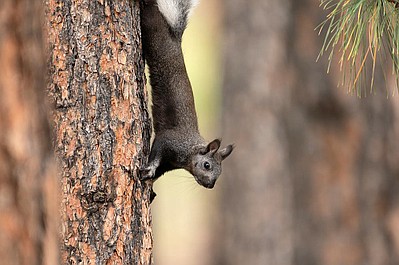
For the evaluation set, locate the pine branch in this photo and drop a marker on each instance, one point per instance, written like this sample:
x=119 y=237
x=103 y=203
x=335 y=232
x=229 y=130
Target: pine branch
x=361 y=33
x=395 y=2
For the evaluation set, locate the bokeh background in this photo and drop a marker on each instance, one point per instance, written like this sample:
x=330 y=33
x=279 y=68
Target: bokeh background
x=314 y=177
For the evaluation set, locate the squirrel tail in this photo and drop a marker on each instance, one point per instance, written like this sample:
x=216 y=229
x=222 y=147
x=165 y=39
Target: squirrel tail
x=176 y=13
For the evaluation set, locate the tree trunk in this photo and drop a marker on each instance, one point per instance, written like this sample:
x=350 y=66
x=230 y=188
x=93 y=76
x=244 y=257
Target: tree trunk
x=314 y=178
x=28 y=183
x=101 y=129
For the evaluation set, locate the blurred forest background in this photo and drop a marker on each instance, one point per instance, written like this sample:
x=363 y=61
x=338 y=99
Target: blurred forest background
x=314 y=177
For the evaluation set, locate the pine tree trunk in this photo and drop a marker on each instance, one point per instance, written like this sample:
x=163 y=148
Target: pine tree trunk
x=101 y=130
x=314 y=178
x=28 y=180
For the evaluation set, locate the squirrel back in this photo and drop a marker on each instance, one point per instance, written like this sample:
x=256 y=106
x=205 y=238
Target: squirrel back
x=177 y=142
x=163 y=23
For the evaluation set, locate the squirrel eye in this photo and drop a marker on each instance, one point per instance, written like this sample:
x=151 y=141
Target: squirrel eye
x=207 y=166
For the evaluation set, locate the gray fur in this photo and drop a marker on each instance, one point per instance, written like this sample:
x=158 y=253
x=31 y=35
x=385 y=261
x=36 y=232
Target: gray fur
x=177 y=143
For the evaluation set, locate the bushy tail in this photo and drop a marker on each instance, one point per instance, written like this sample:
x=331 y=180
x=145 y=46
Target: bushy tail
x=176 y=13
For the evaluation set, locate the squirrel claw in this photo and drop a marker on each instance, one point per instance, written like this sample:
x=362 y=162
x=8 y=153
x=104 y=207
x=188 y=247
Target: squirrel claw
x=147 y=173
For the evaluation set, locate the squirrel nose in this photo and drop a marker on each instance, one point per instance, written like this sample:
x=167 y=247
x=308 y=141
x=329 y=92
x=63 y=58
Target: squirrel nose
x=210 y=183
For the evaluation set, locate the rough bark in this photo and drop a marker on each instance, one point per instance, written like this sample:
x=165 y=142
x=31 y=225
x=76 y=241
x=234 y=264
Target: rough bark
x=101 y=130
x=28 y=180
x=314 y=178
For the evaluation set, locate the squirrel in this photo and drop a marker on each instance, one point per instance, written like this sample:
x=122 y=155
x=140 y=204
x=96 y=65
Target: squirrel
x=177 y=143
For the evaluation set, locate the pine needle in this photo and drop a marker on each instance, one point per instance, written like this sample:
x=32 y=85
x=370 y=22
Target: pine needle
x=360 y=30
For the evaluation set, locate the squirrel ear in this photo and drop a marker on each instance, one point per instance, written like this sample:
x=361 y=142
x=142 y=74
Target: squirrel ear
x=213 y=146
x=225 y=152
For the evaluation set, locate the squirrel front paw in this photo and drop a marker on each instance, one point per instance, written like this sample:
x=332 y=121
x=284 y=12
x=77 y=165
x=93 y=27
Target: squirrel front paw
x=147 y=172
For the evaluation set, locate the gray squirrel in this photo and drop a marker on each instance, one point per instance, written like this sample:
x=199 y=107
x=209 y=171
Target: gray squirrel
x=177 y=142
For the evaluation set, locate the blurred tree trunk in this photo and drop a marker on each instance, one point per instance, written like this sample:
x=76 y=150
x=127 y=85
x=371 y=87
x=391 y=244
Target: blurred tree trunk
x=101 y=130
x=28 y=183
x=314 y=178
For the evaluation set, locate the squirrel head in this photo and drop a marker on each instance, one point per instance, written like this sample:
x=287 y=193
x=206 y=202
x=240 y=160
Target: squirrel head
x=206 y=164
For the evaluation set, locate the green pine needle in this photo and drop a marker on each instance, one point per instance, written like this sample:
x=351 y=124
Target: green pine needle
x=362 y=32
